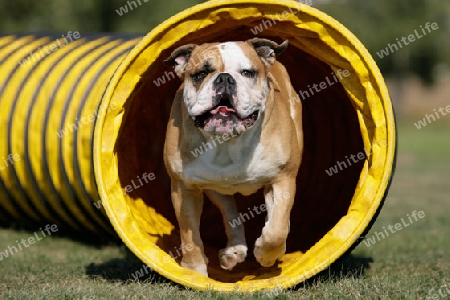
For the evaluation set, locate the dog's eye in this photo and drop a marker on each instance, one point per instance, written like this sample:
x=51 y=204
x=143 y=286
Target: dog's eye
x=248 y=73
x=199 y=76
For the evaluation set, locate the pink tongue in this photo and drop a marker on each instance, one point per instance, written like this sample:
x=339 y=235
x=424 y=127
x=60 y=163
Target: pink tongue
x=222 y=109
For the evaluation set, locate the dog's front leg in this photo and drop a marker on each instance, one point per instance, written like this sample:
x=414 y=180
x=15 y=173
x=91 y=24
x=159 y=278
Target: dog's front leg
x=188 y=204
x=271 y=245
x=236 y=249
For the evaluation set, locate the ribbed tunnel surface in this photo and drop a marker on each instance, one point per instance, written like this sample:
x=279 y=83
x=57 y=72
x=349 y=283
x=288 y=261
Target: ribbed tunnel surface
x=49 y=103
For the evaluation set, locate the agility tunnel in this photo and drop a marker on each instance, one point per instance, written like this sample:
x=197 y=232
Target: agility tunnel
x=83 y=126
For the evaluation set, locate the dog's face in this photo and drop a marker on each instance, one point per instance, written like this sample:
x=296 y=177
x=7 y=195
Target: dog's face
x=225 y=84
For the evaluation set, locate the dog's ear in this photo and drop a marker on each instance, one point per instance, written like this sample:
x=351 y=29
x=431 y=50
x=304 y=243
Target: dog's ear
x=179 y=58
x=268 y=50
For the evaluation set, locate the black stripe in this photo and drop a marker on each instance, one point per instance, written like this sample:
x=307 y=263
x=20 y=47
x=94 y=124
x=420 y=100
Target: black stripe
x=85 y=97
x=46 y=169
x=54 y=216
x=23 y=215
x=64 y=173
x=4 y=211
x=25 y=196
x=6 y=57
x=75 y=146
x=5 y=218
x=70 y=188
x=6 y=45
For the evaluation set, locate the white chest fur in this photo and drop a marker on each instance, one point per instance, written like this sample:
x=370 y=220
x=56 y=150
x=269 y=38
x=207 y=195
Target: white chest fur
x=239 y=165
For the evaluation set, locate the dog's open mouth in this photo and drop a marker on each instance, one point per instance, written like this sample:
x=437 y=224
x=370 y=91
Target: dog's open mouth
x=223 y=118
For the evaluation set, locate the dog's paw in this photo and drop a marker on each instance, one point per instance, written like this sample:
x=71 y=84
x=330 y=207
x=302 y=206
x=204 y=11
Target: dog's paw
x=266 y=254
x=200 y=267
x=231 y=256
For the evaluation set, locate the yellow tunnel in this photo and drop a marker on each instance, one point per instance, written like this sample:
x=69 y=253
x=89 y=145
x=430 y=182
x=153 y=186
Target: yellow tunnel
x=83 y=118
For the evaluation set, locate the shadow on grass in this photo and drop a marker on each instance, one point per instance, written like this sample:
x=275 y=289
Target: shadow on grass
x=131 y=269
x=126 y=270
x=348 y=266
x=82 y=237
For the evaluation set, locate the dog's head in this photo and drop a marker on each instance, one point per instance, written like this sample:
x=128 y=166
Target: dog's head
x=225 y=84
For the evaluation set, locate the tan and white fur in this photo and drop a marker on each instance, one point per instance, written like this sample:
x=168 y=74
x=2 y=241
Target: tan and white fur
x=236 y=90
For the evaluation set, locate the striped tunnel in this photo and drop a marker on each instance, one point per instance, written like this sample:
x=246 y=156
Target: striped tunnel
x=50 y=90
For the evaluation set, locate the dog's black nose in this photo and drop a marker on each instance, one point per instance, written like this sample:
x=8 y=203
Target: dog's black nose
x=225 y=84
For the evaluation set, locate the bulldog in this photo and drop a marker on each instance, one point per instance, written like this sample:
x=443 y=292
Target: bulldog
x=238 y=103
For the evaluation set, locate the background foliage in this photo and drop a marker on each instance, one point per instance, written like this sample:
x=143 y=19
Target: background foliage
x=376 y=23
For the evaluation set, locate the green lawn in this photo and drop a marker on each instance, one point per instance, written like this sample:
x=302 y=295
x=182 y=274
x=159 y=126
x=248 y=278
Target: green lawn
x=412 y=263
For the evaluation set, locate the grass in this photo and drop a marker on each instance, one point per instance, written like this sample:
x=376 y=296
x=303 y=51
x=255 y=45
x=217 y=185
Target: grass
x=410 y=264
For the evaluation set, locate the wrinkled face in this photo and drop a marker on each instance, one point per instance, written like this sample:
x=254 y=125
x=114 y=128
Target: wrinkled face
x=225 y=85
x=225 y=90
